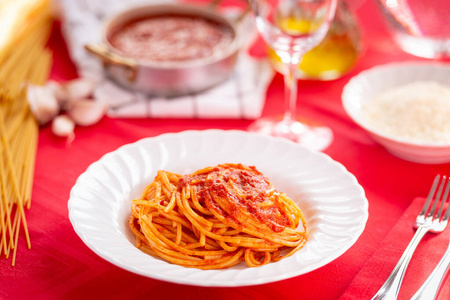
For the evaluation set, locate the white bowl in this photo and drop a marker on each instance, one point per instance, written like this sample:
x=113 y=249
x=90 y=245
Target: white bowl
x=366 y=85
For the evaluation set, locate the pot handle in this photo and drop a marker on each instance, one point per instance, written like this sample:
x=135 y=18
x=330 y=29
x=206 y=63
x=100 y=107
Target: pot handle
x=111 y=58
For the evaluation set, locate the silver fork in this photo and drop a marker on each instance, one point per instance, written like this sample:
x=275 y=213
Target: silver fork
x=427 y=220
x=430 y=288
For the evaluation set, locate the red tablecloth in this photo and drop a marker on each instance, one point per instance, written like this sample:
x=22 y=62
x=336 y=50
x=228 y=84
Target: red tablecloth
x=379 y=266
x=60 y=266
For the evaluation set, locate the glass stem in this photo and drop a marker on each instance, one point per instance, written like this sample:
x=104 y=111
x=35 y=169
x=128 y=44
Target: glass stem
x=290 y=92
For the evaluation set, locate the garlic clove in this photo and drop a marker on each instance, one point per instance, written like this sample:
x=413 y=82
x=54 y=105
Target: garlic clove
x=63 y=126
x=80 y=88
x=43 y=103
x=86 y=112
x=59 y=91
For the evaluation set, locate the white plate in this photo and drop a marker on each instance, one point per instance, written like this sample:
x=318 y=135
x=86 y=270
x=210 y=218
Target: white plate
x=332 y=200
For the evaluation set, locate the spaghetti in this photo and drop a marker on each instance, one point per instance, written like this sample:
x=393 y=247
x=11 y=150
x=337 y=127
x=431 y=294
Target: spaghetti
x=24 y=30
x=217 y=217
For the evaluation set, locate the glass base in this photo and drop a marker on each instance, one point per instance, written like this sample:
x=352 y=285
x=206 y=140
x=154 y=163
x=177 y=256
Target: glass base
x=423 y=47
x=312 y=137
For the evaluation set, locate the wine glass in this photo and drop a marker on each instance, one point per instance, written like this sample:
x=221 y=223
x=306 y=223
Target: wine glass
x=292 y=28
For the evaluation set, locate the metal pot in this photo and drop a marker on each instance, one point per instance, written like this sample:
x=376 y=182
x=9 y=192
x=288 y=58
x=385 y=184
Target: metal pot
x=168 y=78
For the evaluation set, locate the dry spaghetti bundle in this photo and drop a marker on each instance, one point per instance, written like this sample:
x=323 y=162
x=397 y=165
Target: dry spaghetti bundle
x=217 y=217
x=25 y=26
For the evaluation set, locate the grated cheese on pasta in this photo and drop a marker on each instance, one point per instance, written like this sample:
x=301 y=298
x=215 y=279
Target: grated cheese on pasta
x=416 y=112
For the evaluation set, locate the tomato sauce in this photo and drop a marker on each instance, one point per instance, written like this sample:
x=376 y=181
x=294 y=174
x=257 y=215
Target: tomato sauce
x=239 y=190
x=171 y=38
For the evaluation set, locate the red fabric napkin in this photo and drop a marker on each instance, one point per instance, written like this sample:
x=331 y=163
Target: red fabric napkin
x=377 y=269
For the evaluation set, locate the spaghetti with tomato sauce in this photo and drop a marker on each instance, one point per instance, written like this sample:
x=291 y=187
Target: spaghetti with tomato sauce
x=217 y=217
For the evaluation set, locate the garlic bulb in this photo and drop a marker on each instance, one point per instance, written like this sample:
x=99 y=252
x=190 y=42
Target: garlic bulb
x=72 y=98
x=86 y=112
x=43 y=103
x=63 y=126
x=60 y=92
x=80 y=88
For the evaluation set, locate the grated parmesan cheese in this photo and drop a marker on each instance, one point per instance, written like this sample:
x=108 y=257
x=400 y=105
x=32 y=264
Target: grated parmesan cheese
x=416 y=112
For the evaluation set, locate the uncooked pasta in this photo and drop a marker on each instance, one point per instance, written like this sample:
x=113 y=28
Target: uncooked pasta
x=24 y=60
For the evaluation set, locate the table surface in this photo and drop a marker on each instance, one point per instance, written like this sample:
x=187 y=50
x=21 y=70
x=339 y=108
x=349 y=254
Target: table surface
x=60 y=266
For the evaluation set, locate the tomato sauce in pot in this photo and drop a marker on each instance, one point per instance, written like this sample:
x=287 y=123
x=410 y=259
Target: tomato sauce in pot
x=171 y=37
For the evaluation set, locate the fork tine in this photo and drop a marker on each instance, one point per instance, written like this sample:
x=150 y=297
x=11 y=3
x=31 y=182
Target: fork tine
x=437 y=198
x=430 y=196
x=446 y=199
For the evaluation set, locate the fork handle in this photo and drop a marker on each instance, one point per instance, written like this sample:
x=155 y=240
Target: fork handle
x=390 y=289
x=430 y=288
